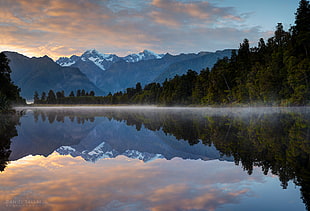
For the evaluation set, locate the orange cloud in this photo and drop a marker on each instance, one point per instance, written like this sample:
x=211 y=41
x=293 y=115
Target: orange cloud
x=66 y=183
x=63 y=27
x=192 y=12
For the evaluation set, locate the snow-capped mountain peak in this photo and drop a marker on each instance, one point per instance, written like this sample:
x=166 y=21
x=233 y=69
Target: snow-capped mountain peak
x=104 y=150
x=151 y=53
x=145 y=55
x=104 y=61
x=66 y=62
x=93 y=53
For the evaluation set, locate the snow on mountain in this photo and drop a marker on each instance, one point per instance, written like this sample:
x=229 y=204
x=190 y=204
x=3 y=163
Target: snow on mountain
x=104 y=61
x=145 y=156
x=99 y=59
x=66 y=62
x=104 y=150
x=145 y=55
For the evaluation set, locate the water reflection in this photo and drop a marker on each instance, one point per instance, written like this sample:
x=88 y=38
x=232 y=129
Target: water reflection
x=277 y=140
x=66 y=183
x=101 y=135
x=8 y=123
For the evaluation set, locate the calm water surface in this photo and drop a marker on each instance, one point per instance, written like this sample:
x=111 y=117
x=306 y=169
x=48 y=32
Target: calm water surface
x=105 y=158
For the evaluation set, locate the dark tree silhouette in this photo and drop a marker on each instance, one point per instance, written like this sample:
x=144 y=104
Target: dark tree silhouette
x=9 y=93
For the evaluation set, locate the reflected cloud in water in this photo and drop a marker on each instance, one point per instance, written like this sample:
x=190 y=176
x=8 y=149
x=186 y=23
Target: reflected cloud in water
x=66 y=183
x=271 y=145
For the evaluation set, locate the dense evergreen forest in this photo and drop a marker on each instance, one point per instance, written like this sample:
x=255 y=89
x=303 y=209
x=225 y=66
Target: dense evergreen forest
x=276 y=72
x=81 y=97
x=9 y=93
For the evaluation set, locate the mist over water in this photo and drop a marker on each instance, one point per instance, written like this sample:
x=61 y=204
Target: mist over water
x=189 y=155
x=206 y=110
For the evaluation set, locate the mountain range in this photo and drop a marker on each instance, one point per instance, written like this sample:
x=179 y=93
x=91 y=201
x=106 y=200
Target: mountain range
x=43 y=74
x=111 y=73
x=103 y=73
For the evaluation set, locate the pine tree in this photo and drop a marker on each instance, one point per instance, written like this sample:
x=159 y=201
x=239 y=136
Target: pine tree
x=301 y=30
x=51 y=97
x=91 y=93
x=9 y=93
x=43 y=97
x=138 y=88
x=60 y=96
x=71 y=94
x=83 y=93
x=36 y=98
x=297 y=57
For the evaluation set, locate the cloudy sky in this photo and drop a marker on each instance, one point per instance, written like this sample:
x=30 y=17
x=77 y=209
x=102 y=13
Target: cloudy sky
x=65 y=27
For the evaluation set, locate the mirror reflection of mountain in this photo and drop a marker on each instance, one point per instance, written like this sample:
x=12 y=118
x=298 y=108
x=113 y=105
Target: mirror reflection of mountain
x=43 y=132
x=8 y=123
x=277 y=140
x=94 y=135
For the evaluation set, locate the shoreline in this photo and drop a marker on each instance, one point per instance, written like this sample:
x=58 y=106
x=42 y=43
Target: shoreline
x=152 y=106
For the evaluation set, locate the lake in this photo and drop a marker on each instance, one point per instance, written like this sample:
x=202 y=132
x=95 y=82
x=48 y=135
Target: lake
x=155 y=158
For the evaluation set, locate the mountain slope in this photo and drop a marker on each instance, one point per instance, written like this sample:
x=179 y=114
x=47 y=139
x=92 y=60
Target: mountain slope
x=93 y=63
x=202 y=61
x=142 y=56
x=112 y=73
x=122 y=74
x=42 y=74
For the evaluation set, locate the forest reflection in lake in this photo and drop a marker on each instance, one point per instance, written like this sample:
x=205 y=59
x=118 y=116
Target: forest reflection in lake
x=265 y=142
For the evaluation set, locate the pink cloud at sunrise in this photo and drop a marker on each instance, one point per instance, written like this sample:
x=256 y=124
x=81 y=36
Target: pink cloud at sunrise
x=124 y=183
x=65 y=27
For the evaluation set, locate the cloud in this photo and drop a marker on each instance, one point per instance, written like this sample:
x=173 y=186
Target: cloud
x=62 y=27
x=66 y=183
x=187 y=13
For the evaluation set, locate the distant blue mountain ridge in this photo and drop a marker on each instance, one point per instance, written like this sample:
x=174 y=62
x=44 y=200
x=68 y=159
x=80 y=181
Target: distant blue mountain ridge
x=103 y=73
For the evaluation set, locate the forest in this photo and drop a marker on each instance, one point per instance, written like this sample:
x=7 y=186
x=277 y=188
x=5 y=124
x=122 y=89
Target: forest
x=275 y=72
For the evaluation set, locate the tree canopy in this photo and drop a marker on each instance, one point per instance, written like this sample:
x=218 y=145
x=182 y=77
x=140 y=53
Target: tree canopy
x=9 y=93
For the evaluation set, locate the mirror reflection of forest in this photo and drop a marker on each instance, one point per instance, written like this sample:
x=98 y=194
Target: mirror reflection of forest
x=8 y=123
x=277 y=142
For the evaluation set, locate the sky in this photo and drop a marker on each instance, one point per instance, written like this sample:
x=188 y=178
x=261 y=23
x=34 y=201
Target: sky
x=130 y=184
x=65 y=27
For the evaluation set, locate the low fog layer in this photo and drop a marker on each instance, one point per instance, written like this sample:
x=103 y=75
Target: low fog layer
x=208 y=111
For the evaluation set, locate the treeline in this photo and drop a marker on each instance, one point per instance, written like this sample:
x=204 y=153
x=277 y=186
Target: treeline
x=59 y=116
x=81 y=96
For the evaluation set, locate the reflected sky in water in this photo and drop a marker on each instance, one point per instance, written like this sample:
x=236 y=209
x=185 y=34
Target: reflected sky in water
x=65 y=183
x=156 y=159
